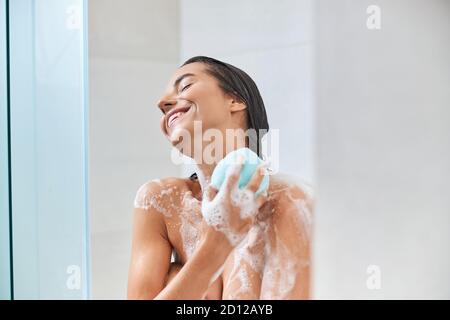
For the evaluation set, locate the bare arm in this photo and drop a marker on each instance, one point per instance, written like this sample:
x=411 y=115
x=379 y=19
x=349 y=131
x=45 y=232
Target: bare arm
x=150 y=255
x=194 y=278
x=150 y=260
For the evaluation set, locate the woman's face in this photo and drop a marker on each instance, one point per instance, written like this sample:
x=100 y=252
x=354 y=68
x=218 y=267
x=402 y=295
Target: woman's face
x=194 y=95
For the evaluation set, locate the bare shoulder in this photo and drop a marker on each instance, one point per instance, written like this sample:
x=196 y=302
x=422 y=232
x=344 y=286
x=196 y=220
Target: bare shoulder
x=160 y=194
x=292 y=203
x=285 y=189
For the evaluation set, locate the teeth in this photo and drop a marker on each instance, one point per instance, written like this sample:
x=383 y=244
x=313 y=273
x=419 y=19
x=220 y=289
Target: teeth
x=174 y=117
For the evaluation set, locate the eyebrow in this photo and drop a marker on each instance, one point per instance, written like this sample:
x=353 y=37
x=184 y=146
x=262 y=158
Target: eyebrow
x=180 y=78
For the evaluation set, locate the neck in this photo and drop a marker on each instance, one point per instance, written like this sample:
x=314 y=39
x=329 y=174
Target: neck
x=204 y=172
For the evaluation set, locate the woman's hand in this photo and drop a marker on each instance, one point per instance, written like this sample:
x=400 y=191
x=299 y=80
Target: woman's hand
x=230 y=210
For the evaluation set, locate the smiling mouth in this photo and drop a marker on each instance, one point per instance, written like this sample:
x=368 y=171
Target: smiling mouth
x=176 y=114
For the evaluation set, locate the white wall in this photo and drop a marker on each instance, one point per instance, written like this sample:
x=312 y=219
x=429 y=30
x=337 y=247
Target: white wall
x=133 y=48
x=383 y=149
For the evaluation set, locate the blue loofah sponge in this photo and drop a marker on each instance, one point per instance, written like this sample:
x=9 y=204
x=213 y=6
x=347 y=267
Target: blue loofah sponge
x=251 y=162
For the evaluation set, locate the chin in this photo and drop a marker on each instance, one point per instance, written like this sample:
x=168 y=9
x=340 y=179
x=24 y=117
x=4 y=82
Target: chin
x=181 y=139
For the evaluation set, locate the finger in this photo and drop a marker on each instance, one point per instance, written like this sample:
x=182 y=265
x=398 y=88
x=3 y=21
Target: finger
x=233 y=174
x=256 y=179
x=210 y=192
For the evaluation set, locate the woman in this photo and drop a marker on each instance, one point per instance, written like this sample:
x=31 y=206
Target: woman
x=269 y=254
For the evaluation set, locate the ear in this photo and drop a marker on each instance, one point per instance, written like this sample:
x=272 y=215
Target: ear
x=237 y=106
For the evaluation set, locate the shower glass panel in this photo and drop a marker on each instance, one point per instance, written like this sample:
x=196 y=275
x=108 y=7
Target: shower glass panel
x=5 y=263
x=48 y=121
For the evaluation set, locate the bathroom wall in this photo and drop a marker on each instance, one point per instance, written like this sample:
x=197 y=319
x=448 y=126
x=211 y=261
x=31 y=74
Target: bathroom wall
x=133 y=48
x=383 y=150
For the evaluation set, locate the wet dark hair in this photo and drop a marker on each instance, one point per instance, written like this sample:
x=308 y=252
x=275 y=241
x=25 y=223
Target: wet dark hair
x=237 y=83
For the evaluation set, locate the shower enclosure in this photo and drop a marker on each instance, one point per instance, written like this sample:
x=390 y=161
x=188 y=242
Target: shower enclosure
x=44 y=245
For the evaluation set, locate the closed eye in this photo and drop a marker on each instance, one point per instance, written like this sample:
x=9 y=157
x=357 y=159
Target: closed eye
x=186 y=86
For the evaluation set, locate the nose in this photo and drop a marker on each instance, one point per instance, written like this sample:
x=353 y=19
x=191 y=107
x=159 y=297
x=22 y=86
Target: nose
x=165 y=104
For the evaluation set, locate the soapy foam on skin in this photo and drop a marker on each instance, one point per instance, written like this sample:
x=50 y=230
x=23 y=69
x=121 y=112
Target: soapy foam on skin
x=247 y=261
x=144 y=199
x=280 y=264
x=303 y=204
x=279 y=273
x=190 y=222
x=245 y=200
x=162 y=203
x=217 y=216
x=275 y=265
x=245 y=290
x=304 y=215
